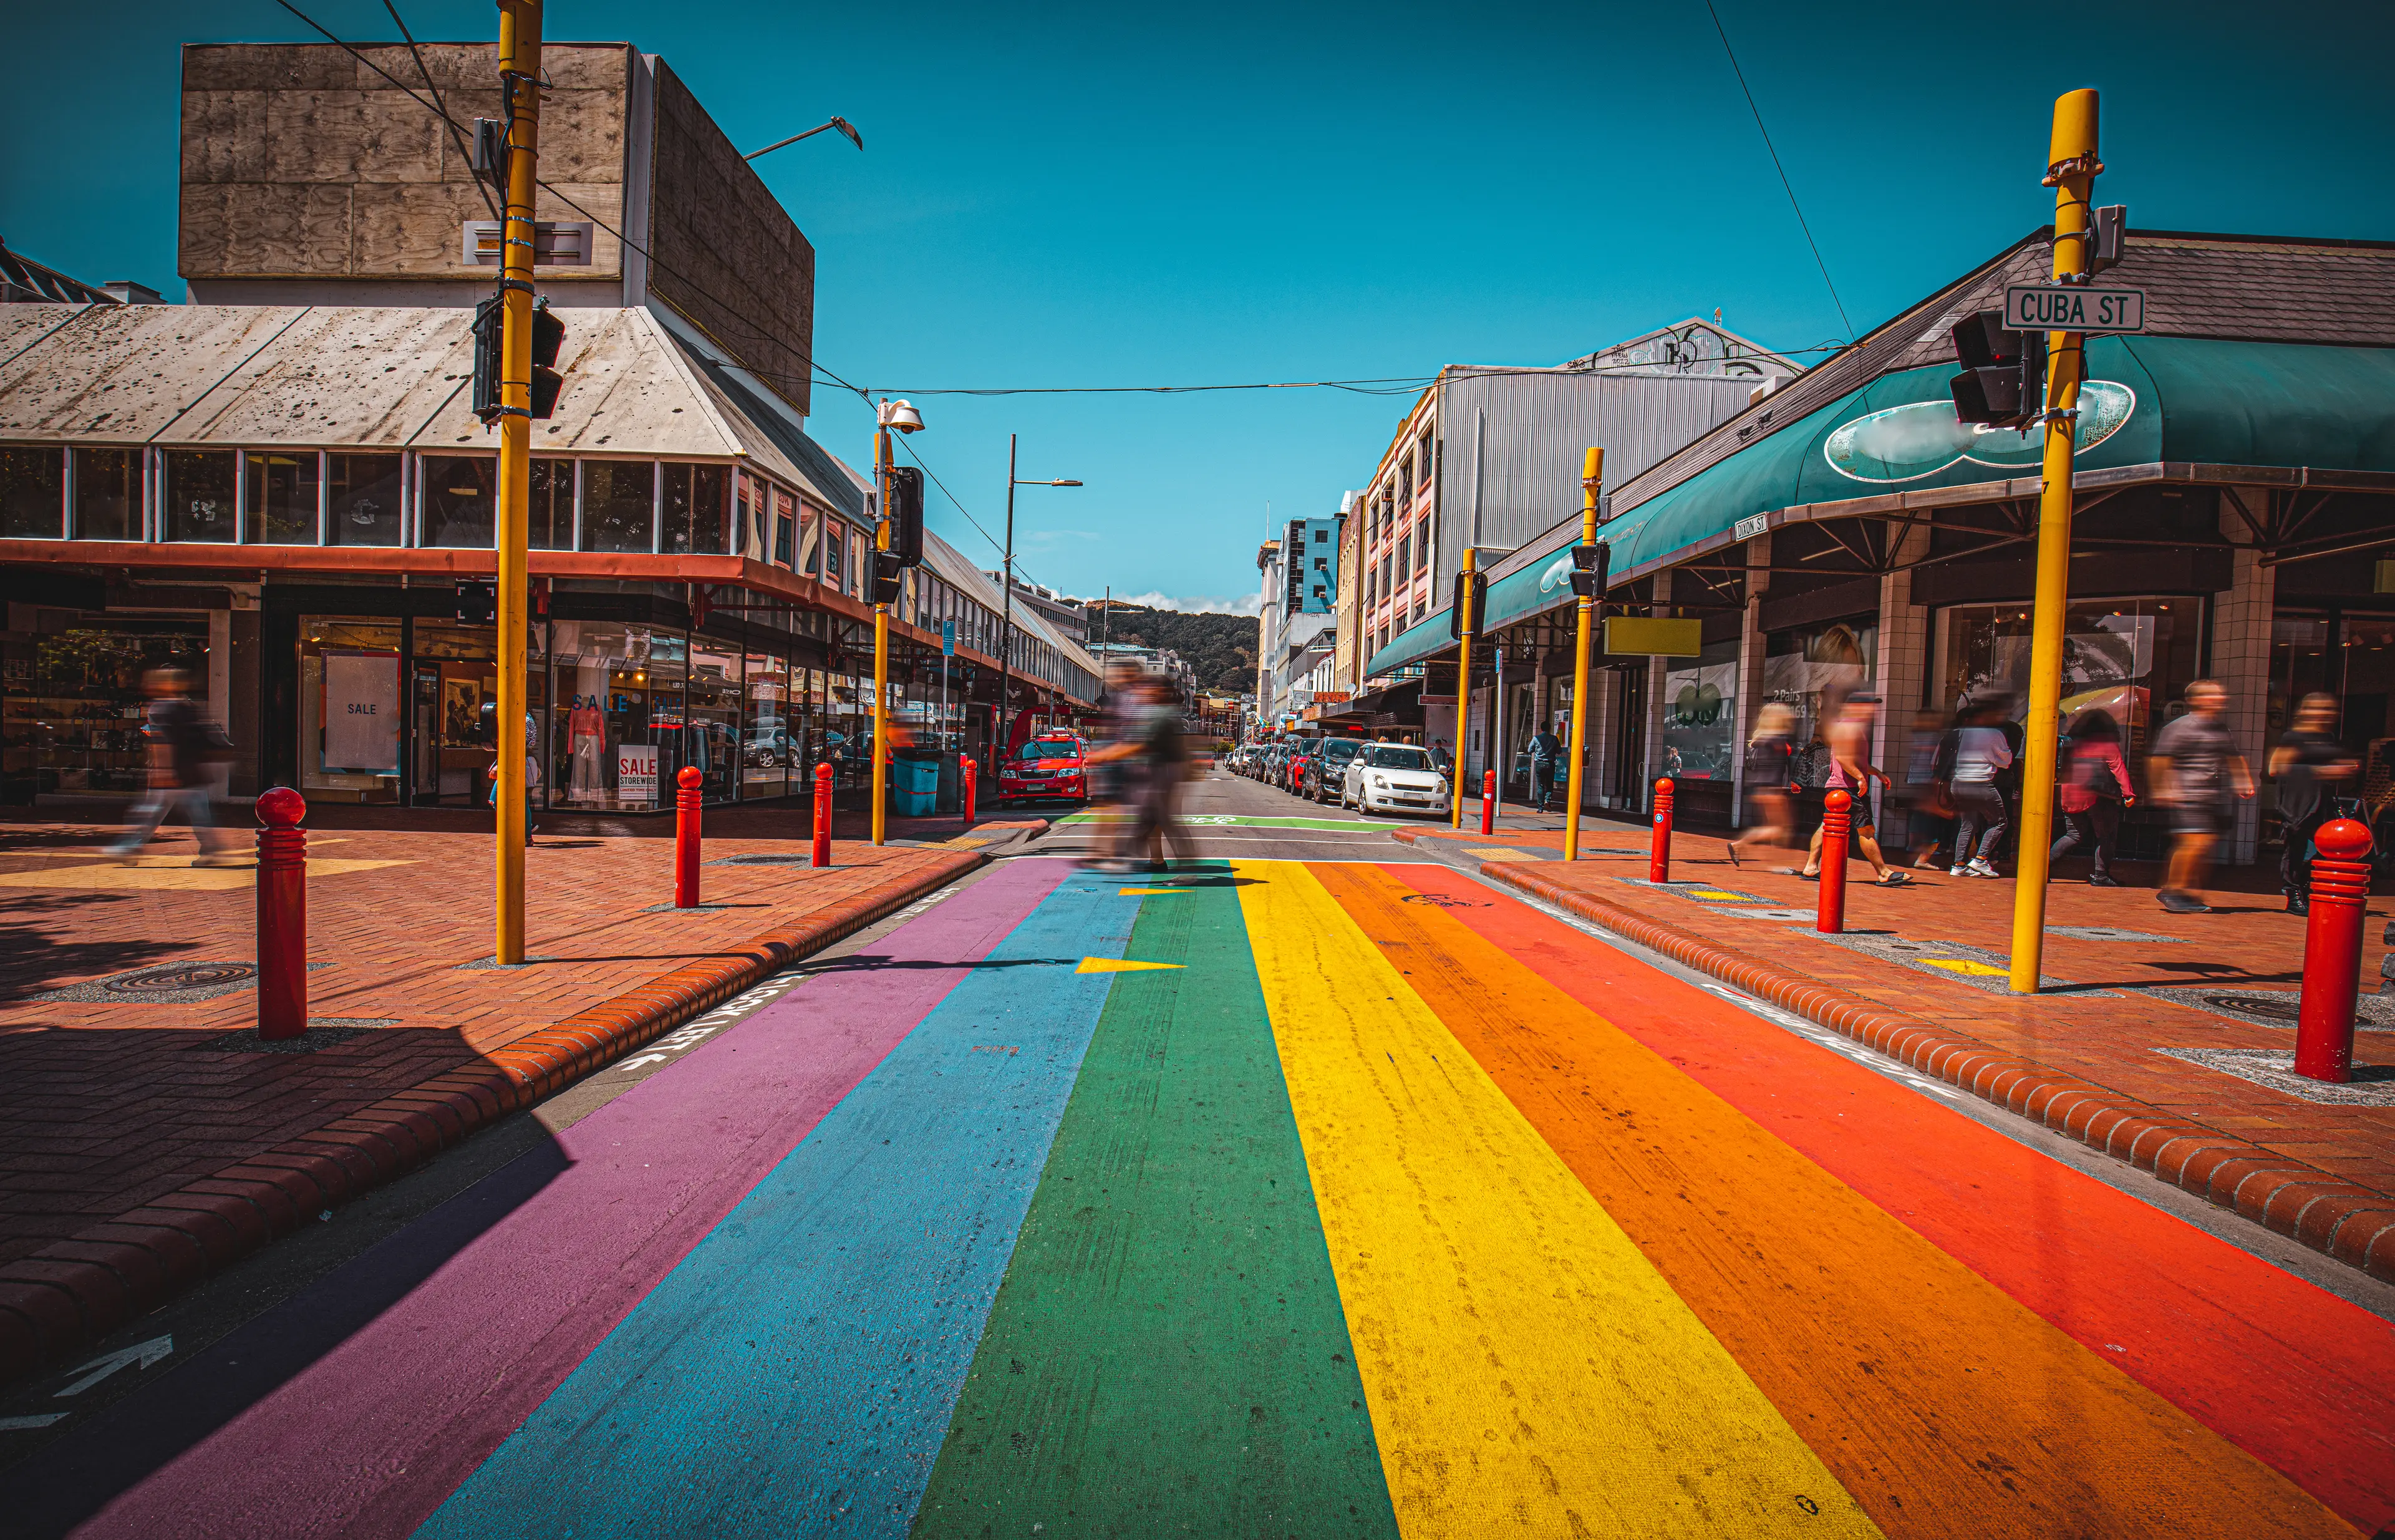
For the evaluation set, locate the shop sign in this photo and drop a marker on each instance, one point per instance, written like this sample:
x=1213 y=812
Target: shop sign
x=636 y=772
x=2074 y=307
x=362 y=712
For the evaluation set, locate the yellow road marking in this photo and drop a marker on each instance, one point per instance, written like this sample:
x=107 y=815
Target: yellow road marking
x=1149 y=893
x=1120 y=964
x=1504 y=853
x=1529 y=1372
x=1967 y=966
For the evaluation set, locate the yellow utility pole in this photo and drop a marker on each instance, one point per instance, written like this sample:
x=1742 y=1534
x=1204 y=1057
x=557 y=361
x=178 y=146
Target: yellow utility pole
x=520 y=85
x=881 y=635
x=1464 y=619
x=1592 y=478
x=2071 y=167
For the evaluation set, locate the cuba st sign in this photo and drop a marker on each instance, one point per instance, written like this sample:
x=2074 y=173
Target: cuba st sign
x=2074 y=307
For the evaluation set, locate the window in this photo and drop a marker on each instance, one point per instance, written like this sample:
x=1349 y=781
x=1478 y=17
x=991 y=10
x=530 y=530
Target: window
x=619 y=505
x=280 y=497
x=695 y=498
x=1422 y=458
x=835 y=554
x=458 y=508
x=550 y=526
x=554 y=244
x=32 y=493
x=364 y=500
x=199 y=494
x=108 y=494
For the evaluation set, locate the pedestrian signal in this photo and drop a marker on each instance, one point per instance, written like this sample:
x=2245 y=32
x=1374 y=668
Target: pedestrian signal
x=886 y=577
x=490 y=358
x=906 y=514
x=547 y=338
x=478 y=602
x=1591 y=565
x=2004 y=372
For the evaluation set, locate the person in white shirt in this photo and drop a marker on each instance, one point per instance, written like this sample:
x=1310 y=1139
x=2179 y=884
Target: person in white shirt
x=1980 y=751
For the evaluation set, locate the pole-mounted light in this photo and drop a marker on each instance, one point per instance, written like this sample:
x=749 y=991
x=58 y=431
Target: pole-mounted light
x=847 y=129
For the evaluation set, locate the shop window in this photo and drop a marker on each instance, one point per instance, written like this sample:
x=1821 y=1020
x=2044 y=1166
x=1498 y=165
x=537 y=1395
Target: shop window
x=108 y=494
x=458 y=509
x=2132 y=659
x=614 y=738
x=550 y=526
x=695 y=499
x=74 y=716
x=711 y=717
x=351 y=708
x=769 y=737
x=619 y=505
x=362 y=493
x=199 y=501
x=32 y=492
x=1802 y=665
x=281 y=500
x=1700 y=714
x=786 y=528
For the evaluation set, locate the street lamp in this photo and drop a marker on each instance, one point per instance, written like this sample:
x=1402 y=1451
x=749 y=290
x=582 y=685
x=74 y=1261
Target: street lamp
x=847 y=129
x=901 y=417
x=1006 y=592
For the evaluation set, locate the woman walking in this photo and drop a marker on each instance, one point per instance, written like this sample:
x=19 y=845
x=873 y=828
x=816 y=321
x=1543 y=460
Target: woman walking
x=1981 y=751
x=2095 y=787
x=1768 y=772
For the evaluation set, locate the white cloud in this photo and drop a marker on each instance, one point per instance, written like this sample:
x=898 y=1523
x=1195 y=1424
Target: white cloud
x=1249 y=603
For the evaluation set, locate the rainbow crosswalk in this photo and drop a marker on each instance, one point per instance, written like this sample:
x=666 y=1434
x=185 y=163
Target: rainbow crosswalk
x=1277 y=1199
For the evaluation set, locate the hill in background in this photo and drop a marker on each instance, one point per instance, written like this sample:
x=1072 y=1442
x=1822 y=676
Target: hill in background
x=1222 y=648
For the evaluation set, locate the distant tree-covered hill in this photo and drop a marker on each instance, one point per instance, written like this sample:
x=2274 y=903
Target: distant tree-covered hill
x=1221 y=647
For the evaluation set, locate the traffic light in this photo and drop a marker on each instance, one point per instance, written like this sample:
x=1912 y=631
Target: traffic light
x=906 y=514
x=548 y=338
x=886 y=581
x=1591 y=565
x=2004 y=372
x=1476 y=597
x=477 y=601
x=490 y=358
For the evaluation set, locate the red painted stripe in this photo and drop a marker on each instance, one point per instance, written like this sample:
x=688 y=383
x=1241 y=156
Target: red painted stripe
x=2290 y=1374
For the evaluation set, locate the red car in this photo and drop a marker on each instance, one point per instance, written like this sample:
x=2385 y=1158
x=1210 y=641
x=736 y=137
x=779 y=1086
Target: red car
x=1048 y=767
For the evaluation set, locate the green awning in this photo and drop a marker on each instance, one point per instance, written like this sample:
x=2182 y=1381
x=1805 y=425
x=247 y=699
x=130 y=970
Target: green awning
x=2149 y=399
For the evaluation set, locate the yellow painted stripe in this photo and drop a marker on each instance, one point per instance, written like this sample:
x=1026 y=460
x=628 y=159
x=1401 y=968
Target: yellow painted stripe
x=1528 y=1370
x=1120 y=964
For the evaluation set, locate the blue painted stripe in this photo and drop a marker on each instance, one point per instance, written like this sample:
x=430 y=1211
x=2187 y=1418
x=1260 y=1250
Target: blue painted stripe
x=797 y=1373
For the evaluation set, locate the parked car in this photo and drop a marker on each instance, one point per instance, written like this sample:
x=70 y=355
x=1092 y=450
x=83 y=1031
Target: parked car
x=1050 y=766
x=1326 y=768
x=1393 y=778
x=1293 y=770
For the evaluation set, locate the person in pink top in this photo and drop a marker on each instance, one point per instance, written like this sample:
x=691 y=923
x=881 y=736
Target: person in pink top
x=2095 y=787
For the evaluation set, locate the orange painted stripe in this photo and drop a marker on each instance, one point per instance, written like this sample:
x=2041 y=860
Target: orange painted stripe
x=2286 y=1371
x=1942 y=1404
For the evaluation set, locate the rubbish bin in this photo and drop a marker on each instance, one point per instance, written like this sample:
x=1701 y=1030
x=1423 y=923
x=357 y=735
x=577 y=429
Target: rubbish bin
x=915 y=785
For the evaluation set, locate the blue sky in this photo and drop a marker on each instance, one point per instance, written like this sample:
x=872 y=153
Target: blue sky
x=1115 y=195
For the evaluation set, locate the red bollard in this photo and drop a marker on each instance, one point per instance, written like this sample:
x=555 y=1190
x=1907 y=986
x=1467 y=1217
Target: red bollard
x=1488 y=801
x=823 y=816
x=1658 y=854
x=283 y=916
x=686 y=838
x=2333 y=952
x=1837 y=820
x=971 y=772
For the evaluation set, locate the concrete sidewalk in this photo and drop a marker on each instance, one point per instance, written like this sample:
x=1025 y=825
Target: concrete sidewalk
x=148 y=1139
x=2162 y=1038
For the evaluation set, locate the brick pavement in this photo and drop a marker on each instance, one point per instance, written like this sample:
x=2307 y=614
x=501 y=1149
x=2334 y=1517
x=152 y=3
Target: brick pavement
x=145 y=1141
x=1918 y=977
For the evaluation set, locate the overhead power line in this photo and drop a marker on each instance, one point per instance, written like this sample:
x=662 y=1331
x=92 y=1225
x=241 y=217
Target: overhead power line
x=1774 y=154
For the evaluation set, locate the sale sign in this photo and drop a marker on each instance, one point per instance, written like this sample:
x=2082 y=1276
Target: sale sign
x=636 y=773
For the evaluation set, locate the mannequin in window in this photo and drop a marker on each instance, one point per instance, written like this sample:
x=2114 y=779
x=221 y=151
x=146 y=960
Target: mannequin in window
x=585 y=738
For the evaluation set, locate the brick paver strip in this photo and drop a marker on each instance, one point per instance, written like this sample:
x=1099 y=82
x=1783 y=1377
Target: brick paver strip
x=73 y=1290
x=2348 y=1220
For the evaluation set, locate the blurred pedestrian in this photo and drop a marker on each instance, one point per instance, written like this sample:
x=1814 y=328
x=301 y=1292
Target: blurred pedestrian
x=2310 y=767
x=1852 y=772
x=2194 y=768
x=1769 y=778
x=2095 y=787
x=180 y=745
x=1155 y=763
x=1982 y=752
x=1929 y=810
x=1110 y=774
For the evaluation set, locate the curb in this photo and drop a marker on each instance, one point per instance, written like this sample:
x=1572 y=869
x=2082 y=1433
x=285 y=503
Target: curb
x=74 y=1291
x=2350 y=1223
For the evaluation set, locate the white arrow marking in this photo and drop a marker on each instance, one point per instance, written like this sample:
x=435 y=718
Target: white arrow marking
x=26 y=1424
x=144 y=1353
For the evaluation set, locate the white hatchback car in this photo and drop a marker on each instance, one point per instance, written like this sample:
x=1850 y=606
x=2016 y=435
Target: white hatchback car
x=1393 y=778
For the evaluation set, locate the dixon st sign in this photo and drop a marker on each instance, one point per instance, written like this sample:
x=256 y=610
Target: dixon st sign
x=2073 y=307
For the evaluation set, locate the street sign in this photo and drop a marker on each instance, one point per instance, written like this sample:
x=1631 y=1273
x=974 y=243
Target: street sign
x=2073 y=307
x=947 y=639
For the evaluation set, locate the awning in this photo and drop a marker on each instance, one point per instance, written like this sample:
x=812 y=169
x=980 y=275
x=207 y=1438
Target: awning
x=2149 y=398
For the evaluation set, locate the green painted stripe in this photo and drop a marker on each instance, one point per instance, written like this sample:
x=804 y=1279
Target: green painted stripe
x=1168 y=1352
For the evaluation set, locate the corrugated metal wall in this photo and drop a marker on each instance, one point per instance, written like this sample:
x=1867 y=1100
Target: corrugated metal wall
x=1528 y=448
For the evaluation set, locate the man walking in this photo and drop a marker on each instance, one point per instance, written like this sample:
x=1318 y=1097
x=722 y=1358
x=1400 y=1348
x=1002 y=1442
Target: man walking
x=1546 y=753
x=181 y=744
x=2192 y=769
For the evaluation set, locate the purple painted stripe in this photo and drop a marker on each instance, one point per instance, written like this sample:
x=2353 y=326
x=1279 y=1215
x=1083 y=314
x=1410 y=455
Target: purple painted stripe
x=370 y=1436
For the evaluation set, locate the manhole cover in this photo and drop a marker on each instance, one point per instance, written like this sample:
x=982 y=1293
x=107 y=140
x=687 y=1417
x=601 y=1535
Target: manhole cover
x=1437 y=900
x=2283 y=1007
x=765 y=860
x=181 y=977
